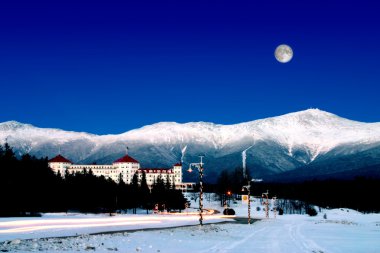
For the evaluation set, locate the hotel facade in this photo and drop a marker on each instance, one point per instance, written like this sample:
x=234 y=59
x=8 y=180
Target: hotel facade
x=125 y=167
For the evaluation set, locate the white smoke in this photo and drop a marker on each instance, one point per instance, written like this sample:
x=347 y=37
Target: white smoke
x=183 y=151
x=244 y=158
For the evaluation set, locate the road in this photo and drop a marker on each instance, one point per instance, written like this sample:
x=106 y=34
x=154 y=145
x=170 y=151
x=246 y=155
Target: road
x=58 y=226
x=354 y=233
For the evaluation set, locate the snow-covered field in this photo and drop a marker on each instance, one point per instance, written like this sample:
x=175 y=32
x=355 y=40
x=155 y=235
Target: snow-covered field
x=343 y=230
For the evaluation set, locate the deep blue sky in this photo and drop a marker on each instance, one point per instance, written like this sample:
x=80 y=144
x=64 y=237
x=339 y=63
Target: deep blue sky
x=107 y=67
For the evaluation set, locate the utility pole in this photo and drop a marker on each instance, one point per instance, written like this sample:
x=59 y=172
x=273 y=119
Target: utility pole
x=274 y=206
x=248 y=188
x=266 y=203
x=199 y=166
x=249 y=202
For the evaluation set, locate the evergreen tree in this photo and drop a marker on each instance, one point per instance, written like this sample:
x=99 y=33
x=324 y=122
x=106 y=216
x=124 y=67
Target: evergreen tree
x=173 y=184
x=122 y=193
x=160 y=185
x=135 y=192
x=168 y=185
x=145 y=193
x=159 y=192
x=1 y=152
x=175 y=200
x=9 y=155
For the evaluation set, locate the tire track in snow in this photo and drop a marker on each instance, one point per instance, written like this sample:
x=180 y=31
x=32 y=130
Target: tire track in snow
x=269 y=236
x=304 y=244
x=226 y=246
x=307 y=242
x=245 y=239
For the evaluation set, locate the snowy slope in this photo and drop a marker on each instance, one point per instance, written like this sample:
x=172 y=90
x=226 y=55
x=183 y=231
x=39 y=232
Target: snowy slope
x=314 y=129
x=341 y=231
x=279 y=144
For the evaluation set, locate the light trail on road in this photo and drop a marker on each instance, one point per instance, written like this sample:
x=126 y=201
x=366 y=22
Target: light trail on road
x=125 y=222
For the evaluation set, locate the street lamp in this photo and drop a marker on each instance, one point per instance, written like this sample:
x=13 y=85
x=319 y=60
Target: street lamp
x=274 y=199
x=229 y=193
x=266 y=203
x=199 y=166
x=248 y=188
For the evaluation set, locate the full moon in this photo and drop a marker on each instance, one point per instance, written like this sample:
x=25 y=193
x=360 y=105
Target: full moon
x=283 y=53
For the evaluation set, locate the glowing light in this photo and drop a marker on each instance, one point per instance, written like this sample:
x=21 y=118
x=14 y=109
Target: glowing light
x=63 y=226
x=41 y=224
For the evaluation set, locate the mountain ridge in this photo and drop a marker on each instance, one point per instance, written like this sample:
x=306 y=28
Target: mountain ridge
x=278 y=144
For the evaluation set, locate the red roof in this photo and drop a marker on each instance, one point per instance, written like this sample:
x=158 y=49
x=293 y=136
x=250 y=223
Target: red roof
x=178 y=164
x=126 y=159
x=59 y=159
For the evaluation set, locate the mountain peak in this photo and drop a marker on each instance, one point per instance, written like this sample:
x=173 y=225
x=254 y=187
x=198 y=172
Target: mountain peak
x=313 y=116
x=313 y=112
x=12 y=125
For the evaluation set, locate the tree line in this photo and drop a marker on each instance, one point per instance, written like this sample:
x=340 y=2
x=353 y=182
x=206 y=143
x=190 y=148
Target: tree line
x=359 y=193
x=28 y=187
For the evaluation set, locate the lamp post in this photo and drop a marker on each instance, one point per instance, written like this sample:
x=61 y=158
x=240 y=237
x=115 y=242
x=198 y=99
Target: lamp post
x=266 y=203
x=229 y=193
x=199 y=166
x=248 y=188
x=274 y=206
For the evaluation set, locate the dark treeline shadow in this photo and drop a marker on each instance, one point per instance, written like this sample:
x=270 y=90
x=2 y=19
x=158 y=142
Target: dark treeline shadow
x=28 y=187
x=360 y=193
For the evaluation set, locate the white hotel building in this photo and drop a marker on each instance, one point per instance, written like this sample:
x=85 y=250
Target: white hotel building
x=126 y=167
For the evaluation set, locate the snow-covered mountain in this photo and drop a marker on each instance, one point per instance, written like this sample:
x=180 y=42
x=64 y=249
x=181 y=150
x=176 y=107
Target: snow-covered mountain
x=290 y=142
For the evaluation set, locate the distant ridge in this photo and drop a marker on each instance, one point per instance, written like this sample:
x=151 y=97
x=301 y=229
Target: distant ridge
x=313 y=140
